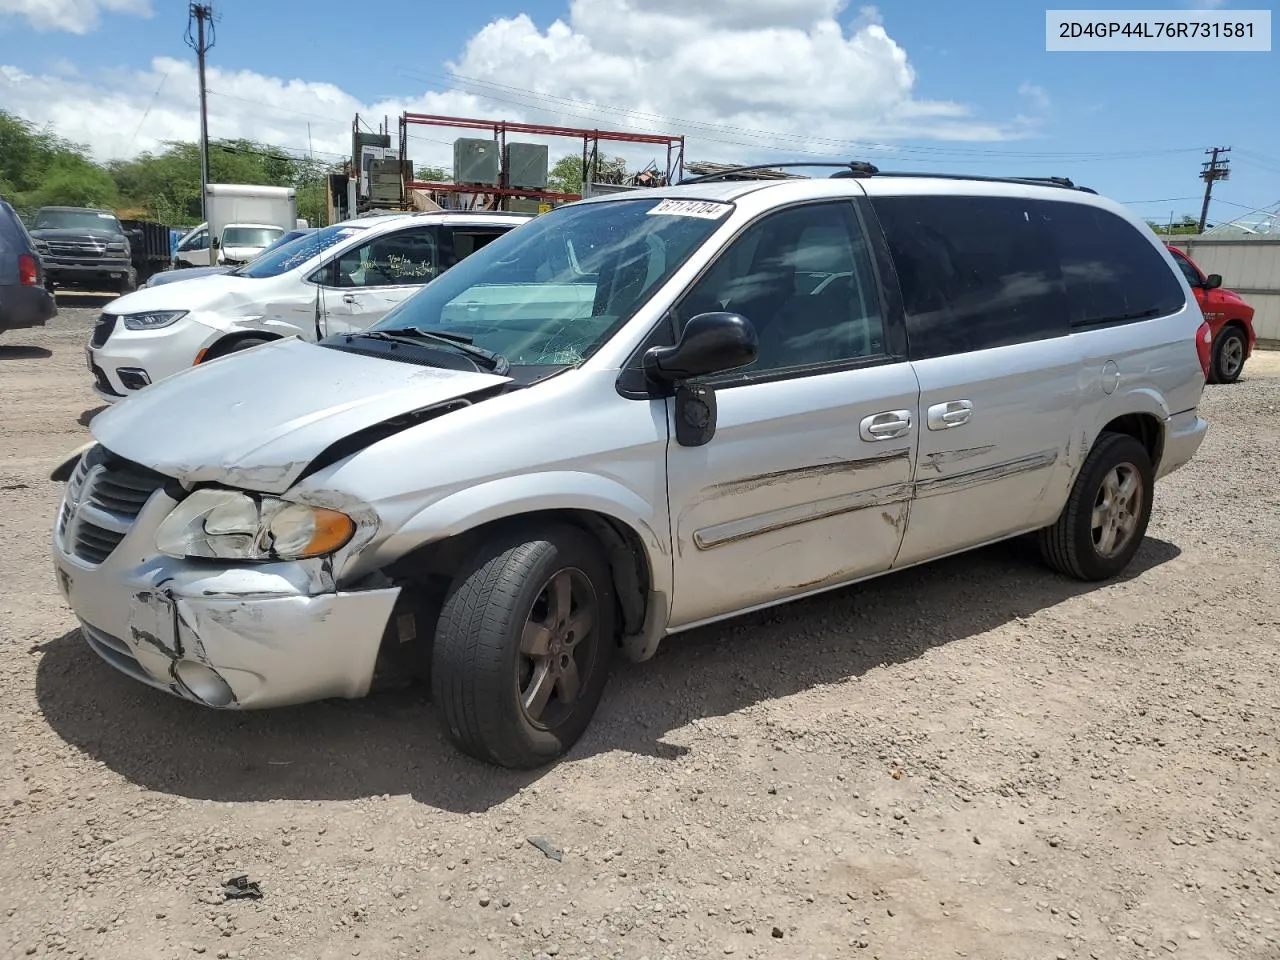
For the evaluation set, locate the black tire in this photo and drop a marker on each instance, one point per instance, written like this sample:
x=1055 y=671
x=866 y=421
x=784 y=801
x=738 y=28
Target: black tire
x=1071 y=545
x=477 y=666
x=1228 y=355
x=127 y=284
x=235 y=346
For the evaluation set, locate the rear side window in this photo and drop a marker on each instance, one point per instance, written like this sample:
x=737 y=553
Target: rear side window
x=975 y=272
x=467 y=240
x=1188 y=271
x=1112 y=273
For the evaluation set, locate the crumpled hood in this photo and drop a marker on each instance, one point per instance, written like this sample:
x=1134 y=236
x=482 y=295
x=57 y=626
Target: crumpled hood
x=206 y=292
x=185 y=273
x=256 y=419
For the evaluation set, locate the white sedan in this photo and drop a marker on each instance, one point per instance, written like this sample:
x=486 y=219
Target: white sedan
x=337 y=279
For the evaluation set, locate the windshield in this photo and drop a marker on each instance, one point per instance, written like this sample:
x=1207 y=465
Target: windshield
x=77 y=220
x=552 y=291
x=281 y=240
x=272 y=263
x=249 y=236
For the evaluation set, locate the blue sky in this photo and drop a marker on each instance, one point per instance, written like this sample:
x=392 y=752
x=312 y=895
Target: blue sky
x=964 y=87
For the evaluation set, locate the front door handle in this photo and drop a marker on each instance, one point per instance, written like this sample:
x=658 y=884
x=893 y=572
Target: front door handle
x=348 y=298
x=953 y=413
x=885 y=426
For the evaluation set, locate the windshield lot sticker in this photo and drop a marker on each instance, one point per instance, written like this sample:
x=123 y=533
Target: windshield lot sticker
x=703 y=209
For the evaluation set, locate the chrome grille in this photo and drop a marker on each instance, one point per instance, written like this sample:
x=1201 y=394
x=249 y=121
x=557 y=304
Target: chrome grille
x=102 y=328
x=104 y=497
x=77 y=248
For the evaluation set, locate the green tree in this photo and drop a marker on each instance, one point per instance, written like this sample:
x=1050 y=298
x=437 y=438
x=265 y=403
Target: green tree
x=168 y=183
x=566 y=174
x=432 y=175
x=1187 y=224
x=73 y=184
x=37 y=167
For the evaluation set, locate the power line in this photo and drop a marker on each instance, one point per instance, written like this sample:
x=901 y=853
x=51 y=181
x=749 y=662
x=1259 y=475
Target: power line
x=591 y=109
x=279 y=109
x=1249 y=207
x=1134 y=203
x=146 y=113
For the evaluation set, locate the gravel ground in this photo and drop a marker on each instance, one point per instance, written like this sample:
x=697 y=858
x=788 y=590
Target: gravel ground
x=972 y=759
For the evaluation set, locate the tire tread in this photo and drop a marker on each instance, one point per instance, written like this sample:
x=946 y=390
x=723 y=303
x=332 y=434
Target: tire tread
x=1058 y=543
x=468 y=673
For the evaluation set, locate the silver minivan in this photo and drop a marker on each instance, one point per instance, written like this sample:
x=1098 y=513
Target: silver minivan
x=629 y=417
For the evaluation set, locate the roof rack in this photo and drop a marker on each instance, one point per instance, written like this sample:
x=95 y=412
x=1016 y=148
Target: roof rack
x=860 y=168
x=847 y=170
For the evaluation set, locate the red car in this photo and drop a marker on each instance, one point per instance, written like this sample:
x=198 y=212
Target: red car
x=1229 y=318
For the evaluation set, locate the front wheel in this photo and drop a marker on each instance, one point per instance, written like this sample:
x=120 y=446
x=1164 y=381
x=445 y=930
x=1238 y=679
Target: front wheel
x=226 y=348
x=523 y=644
x=1106 y=516
x=1228 y=355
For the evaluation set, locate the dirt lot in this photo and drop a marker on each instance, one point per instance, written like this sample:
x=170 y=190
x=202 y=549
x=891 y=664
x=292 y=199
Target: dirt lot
x=973 y=759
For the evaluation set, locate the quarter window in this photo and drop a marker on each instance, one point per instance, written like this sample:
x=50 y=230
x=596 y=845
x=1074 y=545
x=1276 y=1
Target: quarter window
x=975 y=272
x=803 y=277
x=1111 y=271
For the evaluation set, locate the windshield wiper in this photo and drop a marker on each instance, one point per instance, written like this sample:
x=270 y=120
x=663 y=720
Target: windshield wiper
x=494 y=362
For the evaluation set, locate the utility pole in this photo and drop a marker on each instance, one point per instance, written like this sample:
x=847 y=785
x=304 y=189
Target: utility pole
x=201 y=15
x=1210 y=172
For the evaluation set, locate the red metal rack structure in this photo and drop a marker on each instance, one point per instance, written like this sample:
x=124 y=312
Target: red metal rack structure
x=591 y=140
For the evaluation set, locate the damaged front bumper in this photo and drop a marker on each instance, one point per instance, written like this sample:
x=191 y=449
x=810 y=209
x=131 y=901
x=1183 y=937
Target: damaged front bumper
x=246 y=636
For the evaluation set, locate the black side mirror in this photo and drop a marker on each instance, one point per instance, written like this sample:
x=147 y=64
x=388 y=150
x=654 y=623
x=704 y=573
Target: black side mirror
x=710 y=343
x=1213 y=281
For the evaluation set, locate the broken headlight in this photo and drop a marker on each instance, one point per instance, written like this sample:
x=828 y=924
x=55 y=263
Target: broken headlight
x=229 y=525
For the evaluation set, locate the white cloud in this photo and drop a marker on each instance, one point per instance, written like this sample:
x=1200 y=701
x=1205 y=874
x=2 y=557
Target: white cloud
x=71 y=16
x=771 y=77
x=1036 y=95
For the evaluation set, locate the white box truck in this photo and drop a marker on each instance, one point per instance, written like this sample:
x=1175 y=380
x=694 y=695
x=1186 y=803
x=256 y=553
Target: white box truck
x=243 y=220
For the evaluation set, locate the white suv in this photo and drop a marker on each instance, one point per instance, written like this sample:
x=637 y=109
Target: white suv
x=334 y=279
x=633 y=416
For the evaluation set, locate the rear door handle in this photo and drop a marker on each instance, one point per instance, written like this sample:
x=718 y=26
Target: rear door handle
x=953 y=413
x=885 y=426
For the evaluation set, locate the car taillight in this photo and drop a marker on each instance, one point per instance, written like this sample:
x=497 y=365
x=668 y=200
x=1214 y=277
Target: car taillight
x=1204 y=347
x=27 y=271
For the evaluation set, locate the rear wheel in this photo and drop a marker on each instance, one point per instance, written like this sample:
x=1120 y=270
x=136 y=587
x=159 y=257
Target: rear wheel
x=1228 y=355
x=522 y=646
x=1107 y=512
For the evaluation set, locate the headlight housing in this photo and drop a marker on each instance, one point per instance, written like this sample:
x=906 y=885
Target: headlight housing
x=230 y=525
x=152 y=319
